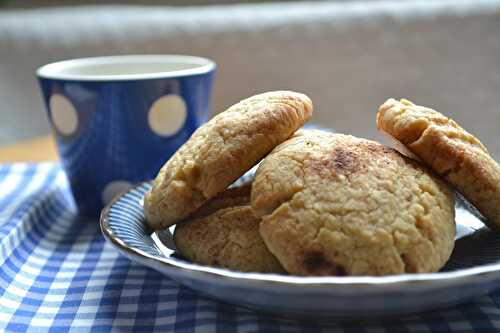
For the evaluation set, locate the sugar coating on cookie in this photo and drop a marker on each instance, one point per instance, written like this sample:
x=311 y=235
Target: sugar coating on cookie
x=221 y=151
x=449 y=150
x=334 y=204
x=225 y=235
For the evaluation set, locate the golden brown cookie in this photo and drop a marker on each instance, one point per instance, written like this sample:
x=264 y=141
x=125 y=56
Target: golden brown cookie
x=334 y=204
x=233 y=196
x=449 y=150
x=226 y=236
x=221 y=151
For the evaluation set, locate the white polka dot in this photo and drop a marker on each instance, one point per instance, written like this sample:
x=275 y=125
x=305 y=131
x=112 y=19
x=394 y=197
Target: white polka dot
x=167 y=115
x=114 y=188
x=64 y=115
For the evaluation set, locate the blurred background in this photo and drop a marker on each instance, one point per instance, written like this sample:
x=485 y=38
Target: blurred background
x=349 y=56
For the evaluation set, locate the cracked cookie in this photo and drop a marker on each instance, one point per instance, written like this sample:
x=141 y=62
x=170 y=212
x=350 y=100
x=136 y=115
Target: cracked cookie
x=449 y=150
x=221 y=151
x=225 y=233
x=334 y=204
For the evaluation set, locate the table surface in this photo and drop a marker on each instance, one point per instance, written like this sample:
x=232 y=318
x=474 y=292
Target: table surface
x=33 y=150
x=109 y=285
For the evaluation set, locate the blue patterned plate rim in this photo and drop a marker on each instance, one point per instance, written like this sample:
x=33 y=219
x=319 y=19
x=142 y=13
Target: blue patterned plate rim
x=457 y=276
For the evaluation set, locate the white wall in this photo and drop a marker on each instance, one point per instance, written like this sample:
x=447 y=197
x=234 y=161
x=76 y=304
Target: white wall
x=348 y=58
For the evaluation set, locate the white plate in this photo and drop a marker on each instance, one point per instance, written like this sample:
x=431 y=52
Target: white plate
x=473 y=270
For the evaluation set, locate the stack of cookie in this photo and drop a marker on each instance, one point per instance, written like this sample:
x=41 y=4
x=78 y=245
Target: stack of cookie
x=321 y=203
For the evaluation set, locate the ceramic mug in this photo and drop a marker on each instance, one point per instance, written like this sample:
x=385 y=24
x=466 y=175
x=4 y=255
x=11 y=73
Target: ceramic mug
x=117 y=119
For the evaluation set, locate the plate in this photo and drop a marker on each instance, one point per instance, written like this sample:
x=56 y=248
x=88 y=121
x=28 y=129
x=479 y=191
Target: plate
x=473 y=270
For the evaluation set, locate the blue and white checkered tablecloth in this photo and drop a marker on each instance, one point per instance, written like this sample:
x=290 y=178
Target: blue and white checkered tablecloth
x=58 y=274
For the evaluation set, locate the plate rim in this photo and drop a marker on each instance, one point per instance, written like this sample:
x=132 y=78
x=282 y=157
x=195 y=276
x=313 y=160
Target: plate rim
x=387 y=281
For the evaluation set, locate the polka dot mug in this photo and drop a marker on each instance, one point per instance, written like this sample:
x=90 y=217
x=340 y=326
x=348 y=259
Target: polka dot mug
x=117 y=119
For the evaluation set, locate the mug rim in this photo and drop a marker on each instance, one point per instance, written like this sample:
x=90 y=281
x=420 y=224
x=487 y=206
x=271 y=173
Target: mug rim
x=54 y=70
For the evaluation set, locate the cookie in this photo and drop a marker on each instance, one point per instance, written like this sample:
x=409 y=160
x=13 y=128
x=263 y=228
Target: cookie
x=334 y=204
x=226 y=235
x=233 y=196
x=221 y=151
x=449 y=150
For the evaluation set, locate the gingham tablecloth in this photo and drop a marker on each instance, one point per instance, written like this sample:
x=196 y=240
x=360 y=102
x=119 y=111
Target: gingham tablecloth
x=58 y=274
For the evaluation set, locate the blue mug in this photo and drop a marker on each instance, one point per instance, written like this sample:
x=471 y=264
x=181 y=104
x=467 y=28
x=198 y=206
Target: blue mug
x=118 y=119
